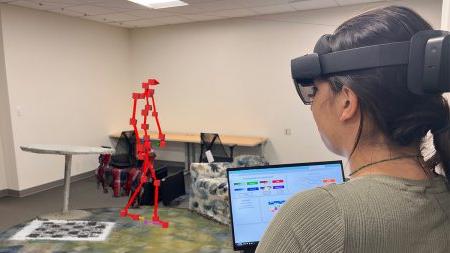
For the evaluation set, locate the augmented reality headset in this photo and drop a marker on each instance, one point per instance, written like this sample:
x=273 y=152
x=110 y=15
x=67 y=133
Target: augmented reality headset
x=426 y=55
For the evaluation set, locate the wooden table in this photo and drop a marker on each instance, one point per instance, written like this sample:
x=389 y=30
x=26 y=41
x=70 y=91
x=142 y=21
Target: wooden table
x=194 y=138
x=67 y=151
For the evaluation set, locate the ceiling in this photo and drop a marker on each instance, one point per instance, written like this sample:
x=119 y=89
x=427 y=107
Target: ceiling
x=127 y=14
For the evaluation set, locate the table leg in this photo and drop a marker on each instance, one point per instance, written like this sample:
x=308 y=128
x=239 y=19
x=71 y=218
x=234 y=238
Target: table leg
x=66 y=214
x=68 y=165
x=193 y=153
x=187 y=158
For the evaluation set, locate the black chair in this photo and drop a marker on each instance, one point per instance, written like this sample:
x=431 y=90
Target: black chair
x=212 y=142
x=172 y=187
x=125 y=153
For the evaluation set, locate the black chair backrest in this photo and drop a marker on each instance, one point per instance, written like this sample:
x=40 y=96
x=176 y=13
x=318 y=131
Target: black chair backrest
x=125 y=154
x=131 y=137
x=212 y=142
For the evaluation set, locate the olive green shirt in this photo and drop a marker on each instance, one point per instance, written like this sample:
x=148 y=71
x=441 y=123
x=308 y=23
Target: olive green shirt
x=367 y=214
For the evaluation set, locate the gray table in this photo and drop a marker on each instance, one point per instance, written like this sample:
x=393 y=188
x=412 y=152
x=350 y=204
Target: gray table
x=67 y=151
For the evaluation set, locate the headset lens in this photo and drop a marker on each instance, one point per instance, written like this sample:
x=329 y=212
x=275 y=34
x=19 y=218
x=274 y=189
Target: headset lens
x=306 y=93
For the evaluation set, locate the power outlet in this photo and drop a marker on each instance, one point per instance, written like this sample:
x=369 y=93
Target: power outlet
x=287 y=131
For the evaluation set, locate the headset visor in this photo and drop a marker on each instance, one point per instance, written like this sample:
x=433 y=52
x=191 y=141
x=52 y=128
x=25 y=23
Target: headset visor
x=305 y=91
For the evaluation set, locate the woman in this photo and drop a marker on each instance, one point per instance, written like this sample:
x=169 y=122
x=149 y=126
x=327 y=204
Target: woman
x=394 y=202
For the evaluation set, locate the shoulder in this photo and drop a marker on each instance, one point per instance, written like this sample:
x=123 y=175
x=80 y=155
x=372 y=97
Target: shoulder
x=314 y=196
x=361 y=190
x=315 y=210
x=309 y=221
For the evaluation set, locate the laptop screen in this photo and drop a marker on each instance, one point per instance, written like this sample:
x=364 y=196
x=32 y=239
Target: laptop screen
x=257 y=193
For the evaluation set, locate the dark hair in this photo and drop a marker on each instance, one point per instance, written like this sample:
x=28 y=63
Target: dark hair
x=403 y=117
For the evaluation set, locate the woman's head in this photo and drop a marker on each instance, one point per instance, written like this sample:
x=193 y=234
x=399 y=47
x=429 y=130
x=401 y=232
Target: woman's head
x=374 y=106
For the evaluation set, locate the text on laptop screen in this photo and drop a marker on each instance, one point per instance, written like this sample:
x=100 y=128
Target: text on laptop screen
x=257 y=194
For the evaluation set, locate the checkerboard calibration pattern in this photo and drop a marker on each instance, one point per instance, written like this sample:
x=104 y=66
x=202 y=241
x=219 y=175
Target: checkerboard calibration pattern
x=62 y=230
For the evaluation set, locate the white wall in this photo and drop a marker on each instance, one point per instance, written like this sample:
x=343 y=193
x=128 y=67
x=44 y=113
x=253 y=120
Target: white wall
x=8 y=172
x=68 y=83
x=233 y=76
x=3 y=183
x=445 y=21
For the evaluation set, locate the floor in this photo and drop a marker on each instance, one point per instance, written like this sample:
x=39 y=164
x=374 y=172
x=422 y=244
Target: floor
x=187 y=232
x=83 y=195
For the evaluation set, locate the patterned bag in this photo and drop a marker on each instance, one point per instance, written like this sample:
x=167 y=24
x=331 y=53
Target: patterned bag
x=103 y=161
x=122 y=181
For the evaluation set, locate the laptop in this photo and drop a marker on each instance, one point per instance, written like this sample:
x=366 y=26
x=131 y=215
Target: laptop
x=257 y=193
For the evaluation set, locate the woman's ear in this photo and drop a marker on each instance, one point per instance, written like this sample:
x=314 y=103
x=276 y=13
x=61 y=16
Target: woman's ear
x=349 y=104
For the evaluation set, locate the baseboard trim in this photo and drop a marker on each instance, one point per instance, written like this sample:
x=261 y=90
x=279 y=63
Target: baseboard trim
x=44 y=187
x=3 y=193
